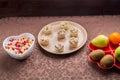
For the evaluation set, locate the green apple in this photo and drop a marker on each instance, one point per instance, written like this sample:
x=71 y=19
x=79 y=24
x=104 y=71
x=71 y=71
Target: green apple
x=100 y=41
x=117 y=53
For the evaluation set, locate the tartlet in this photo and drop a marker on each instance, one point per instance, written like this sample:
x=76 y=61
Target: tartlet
x=64 y=25
x=59 y=47
x=73 y=32
x=61 y=34
x=73 y=42
x=44 y=40
x=47 y=30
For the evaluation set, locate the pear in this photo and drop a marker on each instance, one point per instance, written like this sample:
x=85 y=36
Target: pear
x=117 y=53
x=100 y=41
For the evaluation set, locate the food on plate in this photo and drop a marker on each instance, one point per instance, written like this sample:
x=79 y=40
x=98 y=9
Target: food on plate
x=100 y=41
x=59 y=41
x=61 y=34
x=73 y=42
x=59 y=47
x=44 y=40
x=20 y=45
x=114 y=38
x=47 y=30
x=73 y=32
x=64 y=25
x=117 y=53
x=96 y=55
x=107 y=61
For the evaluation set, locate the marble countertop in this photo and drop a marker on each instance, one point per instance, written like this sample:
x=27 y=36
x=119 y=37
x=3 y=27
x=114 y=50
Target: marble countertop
x=45 y=66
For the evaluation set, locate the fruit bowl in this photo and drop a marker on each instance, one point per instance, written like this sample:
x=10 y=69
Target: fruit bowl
x=110 y=49
x=98 y=62
x=19 y=47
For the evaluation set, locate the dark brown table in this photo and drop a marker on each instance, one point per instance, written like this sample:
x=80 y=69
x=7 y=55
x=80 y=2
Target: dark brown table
x=45 y=66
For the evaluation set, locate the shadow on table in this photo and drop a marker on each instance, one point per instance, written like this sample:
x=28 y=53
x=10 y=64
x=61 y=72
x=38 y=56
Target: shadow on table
x=59 y=56
x=9 y=64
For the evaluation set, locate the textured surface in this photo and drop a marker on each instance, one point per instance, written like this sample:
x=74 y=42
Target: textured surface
x=45 y=66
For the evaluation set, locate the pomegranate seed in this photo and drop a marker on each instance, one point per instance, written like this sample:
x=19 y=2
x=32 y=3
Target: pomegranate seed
x=20 y=45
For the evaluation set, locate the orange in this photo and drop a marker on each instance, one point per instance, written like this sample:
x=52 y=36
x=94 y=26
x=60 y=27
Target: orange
x=114 y=38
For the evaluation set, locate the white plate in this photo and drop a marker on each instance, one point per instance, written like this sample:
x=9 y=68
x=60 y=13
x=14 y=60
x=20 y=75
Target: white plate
x=82 y=37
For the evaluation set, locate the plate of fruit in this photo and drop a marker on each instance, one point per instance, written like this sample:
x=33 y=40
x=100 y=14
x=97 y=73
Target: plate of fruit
x=62 y=37
x=105 y=51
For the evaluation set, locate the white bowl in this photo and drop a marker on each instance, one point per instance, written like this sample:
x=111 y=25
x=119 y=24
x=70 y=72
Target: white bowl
x=26 y=53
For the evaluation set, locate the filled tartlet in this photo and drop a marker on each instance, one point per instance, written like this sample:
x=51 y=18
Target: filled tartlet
x=59 y=47
x=44 y=40
x=47 y=30
x=61 y=34
x=73 y=42
x=64 y=25
x=73 y=32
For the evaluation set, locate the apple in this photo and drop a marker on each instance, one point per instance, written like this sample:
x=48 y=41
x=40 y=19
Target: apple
x=117 y=53
x=100 y=41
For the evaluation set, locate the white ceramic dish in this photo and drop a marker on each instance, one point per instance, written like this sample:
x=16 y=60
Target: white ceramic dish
x=82 y=36
x=26 y=53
